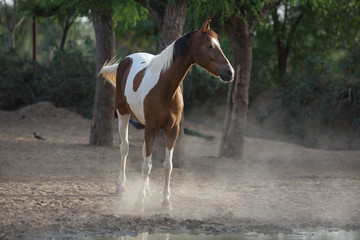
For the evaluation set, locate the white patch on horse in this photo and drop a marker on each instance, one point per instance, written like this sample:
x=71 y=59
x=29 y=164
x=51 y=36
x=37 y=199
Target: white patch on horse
x=216 y=42
x=168 y=166
x=155 y=65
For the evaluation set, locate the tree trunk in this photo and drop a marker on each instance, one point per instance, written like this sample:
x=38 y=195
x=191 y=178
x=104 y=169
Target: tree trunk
x=171 y=29
x=11 y=22
x=65 y=27
x=172 y=23
x=11 y=37
x=281 y=44
x=34 y=38
x=241 y=39
x=284 y=33
x=103 y=113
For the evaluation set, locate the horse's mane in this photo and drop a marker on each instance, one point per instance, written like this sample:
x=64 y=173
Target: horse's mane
x=175 y=50
x=181 y=44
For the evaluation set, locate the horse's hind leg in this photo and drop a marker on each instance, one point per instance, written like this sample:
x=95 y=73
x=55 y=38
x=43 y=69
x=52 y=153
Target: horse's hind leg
x=124 y=150
x=147 y=187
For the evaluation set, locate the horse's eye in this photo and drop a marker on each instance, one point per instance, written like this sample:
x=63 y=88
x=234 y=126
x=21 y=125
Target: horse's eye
x=210 y=46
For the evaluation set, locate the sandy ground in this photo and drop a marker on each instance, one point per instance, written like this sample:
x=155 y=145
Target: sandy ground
x=63 y=187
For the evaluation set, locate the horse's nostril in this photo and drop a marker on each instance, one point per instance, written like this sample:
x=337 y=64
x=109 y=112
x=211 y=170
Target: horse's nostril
x=230 y=72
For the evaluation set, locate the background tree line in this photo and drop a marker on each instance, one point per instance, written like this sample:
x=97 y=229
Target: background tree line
x=307 y=49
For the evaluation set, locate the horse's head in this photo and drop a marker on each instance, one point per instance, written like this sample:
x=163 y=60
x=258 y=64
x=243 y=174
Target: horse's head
x=208 y=54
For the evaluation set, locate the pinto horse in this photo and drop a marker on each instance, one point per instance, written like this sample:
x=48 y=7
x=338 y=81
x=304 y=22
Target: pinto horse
x=148 y=89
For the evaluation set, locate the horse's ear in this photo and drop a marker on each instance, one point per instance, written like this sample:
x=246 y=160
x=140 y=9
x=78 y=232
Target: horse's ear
x=206 y=26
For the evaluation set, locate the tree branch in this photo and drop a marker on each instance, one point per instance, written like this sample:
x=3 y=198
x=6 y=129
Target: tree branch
x=267 y=7
x=272 y=4
x=155 y=9
x=294 y=27
x=19 y=23
x=6 y=15
x=13 y=19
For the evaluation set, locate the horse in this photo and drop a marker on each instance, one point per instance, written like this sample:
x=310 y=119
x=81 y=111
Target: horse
x=147 y=87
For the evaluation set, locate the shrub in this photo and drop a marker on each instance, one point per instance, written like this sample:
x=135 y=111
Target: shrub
x=313 y=89
x=68 y=82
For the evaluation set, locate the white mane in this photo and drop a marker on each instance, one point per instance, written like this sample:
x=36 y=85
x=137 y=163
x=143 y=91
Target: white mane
x=162 y=61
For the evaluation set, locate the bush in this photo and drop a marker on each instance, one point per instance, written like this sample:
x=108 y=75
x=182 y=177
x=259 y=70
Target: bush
x=20 y=81
x=68 y=82
x=313 y=89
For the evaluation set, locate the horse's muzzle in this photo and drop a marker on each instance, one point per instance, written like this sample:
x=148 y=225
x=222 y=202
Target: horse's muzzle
x=226 y=74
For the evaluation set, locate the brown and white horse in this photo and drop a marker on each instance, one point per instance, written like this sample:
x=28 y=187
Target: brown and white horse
x=148 y=89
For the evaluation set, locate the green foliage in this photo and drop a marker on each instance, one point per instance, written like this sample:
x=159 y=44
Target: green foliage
x=322 y=62
x=68 y=82
x=310 y=85
x=264 y=65
x=313 y=89
x=20 y=80
x=128 y=13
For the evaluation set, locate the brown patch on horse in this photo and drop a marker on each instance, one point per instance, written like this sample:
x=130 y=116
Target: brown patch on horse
x=121 y=77
x=122 y=73
x=167 y=115
x=138 y=78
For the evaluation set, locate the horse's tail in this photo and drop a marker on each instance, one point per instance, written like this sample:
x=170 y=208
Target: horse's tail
x=109 y=72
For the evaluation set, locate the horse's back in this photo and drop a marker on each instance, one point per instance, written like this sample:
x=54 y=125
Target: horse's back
x=137 y=83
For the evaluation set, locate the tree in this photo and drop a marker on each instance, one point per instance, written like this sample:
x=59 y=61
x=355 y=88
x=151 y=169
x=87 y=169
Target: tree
x=60 y=11
x=170 y=18
x=239 y=21
x=103 y=111
x=305 y=27
x=11 y=22
x=65 y=25
x=284 y=29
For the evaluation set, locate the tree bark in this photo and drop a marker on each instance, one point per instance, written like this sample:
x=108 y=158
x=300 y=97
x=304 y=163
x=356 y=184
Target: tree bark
x=172 y=23
x=241 y=37
x=34 y=38
x=11 y=38
x=103 y=112
x=172 y=20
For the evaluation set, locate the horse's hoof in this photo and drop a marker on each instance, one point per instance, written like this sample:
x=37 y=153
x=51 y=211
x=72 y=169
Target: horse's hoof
x=148 y=194
x=167 y=206
x=140 y=206
x=119 y=192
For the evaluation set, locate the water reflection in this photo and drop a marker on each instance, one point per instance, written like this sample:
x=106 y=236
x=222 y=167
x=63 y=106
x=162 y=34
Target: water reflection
x=318 y=235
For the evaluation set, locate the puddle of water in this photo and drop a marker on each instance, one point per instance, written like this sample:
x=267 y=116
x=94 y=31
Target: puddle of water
x=318 y=235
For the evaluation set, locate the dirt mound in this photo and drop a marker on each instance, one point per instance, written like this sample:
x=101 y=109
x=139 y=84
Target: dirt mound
x=268 y=119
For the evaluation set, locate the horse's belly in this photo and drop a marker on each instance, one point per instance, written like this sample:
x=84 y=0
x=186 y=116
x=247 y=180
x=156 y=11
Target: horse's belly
x=135 y=99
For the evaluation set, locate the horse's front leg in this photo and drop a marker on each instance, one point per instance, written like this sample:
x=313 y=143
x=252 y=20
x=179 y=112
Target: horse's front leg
x=150 y=135
x=171 y=138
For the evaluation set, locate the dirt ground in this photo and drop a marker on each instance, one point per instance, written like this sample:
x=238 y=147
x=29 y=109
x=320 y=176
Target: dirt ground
x=63 y=187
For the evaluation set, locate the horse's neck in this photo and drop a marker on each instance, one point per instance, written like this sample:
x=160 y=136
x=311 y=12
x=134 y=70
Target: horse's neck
x=175 y=75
